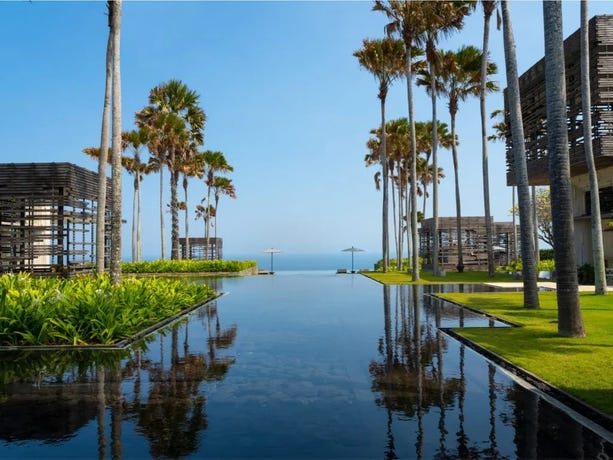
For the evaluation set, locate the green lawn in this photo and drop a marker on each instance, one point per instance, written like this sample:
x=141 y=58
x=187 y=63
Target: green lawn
x=582 y=367
x=470 y=277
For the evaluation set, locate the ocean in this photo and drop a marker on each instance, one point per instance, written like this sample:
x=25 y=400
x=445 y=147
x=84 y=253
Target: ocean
x=310 y=262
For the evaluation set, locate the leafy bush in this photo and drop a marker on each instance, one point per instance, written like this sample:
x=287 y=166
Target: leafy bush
x=546 y=254
x=547 y=265
x=406 y=265
x=187 y=266
x=585 y=274
x=88 y=309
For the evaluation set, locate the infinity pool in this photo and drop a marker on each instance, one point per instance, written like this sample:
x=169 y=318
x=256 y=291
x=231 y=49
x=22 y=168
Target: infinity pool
x=288 y=366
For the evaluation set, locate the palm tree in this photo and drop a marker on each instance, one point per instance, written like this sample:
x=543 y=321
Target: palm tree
x=529 y=274
x=115 y=18
x=213 y=162
x=489 y=6
x=442 y=18
x=189 y=167
x=184 y=133
x=407 y=20
x=222 y=186
x=384 y=59
x=600 y=276
x=460 y=77
x=570 y=322
x=104 y=147
x=135 y=140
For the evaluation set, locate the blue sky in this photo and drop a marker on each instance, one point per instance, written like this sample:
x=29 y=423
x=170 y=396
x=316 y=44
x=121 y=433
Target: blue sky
x=286 y=102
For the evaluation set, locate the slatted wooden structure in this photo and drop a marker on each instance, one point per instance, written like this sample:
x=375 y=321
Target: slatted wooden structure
x=474 y=247
x=47 y=218
x=198 y=249
x=534 y=109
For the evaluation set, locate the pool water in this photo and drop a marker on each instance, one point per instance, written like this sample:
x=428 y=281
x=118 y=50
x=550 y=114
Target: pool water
x=288 y=366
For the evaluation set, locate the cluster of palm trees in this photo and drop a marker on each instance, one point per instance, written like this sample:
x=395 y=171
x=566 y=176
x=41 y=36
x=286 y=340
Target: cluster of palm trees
x=410 y=48
x=171 y=129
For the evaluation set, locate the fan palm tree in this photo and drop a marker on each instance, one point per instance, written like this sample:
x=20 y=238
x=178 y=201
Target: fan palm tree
x=176 y=99
x=135 y=140
x=441 y=18
x=459 y=78
x=115 y=19
x=407 y=20
x=489 y=6
x=189 y=167
x=570 y=322
x=600 y=276
x=529 y=274
x=385 y=60
x=222 y=186
x=213 y=162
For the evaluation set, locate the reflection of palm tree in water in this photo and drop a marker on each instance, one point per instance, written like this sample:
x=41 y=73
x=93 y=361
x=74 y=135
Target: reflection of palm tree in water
x=174 y=415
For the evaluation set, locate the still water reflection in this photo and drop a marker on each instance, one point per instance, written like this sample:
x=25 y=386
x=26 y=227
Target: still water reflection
x=287 y=366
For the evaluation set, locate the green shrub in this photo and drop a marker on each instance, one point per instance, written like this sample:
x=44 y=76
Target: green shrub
x=406 y=265
x=547 y=265
x=546 y=254
x=585 y=274
x=187 y=266
x=88 y=309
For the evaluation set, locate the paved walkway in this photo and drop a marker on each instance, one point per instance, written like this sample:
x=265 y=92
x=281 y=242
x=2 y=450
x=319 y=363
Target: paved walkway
x=542 y=284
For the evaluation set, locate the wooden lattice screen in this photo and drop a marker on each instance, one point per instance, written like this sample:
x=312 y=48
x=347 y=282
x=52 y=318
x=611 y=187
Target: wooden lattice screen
x=48 y=217
x=198 y=249
x=534 y=110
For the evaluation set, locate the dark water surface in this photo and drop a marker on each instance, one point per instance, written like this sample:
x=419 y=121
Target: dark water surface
x=287 y=366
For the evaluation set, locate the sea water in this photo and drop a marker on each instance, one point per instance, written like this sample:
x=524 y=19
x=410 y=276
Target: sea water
x=284 y=262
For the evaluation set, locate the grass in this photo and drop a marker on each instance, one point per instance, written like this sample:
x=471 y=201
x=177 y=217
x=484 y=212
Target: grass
x=582 y=367
x=469 y=277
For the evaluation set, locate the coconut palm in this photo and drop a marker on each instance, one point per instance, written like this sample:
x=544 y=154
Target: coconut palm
x=570 y=322
x=222 y=186
x=135 y=140
x=600 y=276
x=385 y=60
x=213 y=162
x=459 y=78
x=115 y=19
x=489 y=6
x=441 y=18
x=176 y=99
x=529 y=274
x=407 y=20
x=189 y=167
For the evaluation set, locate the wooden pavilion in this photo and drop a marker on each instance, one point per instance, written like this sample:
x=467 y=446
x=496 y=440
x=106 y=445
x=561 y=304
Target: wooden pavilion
x=48 y=218
x=198 y=249
x=474 y=248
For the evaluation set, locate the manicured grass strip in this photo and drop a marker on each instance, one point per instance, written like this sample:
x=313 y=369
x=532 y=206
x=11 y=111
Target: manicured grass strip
x=88 y=309
x=188 y=266
x=471 y=277
x=582 y=367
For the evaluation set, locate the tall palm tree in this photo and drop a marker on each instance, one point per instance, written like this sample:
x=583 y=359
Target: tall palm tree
x=460 y=77
x=600 y=276
x=529 y=273
x=176 y=99
x=115 y=15
x=222 y=186
x=441 y=18
x=407 y=20
x=489 y=6
x=135 y=140
x=190 y=166
x=104 y=147
x=570 y=322
x=385 y=60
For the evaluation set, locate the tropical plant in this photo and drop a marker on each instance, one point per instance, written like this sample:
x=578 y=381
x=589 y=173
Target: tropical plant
x=526 y=211
x=600 y=276
x=189 y=167
x=543 y=212
x=222 y=186
x=385 y=60
x=570 y=322
x=188 y=266
x=174 y=114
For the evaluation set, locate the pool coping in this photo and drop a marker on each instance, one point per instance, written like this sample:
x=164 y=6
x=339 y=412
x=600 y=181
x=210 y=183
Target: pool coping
x=598 y=417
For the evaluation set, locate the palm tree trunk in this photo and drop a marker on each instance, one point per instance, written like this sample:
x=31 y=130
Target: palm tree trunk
x=535 y=226
x=570 y=322
x=458 y=206
x=531 y=299
x=600 y=276
x=116 y=144
x=486 y=183
x=436 y=249
x=385 y=205
x=162 y=224
x=414 y=236
x=215 y=227
x=103 y=159
x=514 y=224
x=174 y=210
x=400 y=232
x=139 y=242
x=134 y=225
x=188 y=254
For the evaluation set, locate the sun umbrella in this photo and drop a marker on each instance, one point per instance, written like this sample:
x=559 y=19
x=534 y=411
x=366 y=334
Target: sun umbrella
x=352 y=250
x=271 y=251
